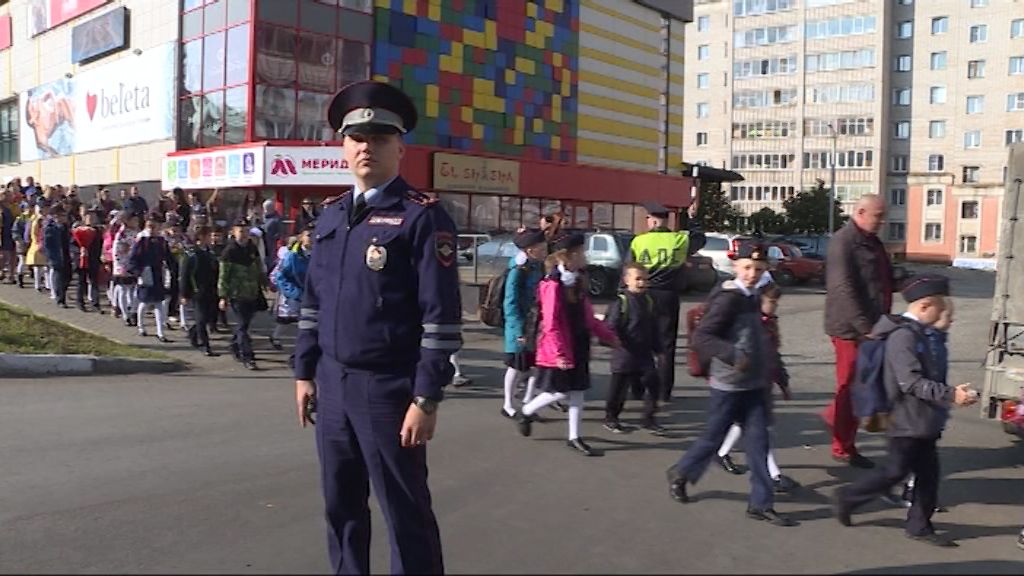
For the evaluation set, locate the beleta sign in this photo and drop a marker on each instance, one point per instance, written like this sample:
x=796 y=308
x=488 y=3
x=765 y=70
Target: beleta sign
x=125 y=100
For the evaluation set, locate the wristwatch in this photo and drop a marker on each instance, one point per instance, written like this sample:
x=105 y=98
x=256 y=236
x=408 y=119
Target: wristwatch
x=428 y=405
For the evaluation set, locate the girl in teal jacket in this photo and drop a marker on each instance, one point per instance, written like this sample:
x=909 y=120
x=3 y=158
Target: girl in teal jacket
x=525 y=272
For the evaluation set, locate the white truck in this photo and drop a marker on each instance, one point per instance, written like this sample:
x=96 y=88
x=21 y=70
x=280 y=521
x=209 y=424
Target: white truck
x=1002 y=397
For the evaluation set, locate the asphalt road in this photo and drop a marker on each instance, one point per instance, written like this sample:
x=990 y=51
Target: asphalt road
x=207 y=471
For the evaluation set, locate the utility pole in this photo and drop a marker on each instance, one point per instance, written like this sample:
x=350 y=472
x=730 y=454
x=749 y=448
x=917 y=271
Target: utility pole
x=832 y=183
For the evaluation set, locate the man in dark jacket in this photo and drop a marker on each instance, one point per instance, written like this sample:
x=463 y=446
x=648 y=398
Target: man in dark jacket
x=199 y=286
x=57 y=243
x=859 y=284
x=920 y=409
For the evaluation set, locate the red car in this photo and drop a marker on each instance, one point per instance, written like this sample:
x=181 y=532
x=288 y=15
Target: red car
x=790 y=266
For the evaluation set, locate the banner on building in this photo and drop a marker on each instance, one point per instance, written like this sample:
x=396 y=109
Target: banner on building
x=100 y=36
x=225 y=168
x=463 y=173
x=307 y=166
x=46 y=14
x=5 y=32
x=128 y=101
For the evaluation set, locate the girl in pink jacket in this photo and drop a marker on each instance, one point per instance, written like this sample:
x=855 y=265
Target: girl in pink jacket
x=566 y=324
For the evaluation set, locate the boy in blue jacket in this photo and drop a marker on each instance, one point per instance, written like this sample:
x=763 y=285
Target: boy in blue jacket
x=526 y=270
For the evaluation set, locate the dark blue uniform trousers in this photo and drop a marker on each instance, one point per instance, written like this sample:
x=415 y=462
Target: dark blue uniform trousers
x=360 y=417
x=750 y=410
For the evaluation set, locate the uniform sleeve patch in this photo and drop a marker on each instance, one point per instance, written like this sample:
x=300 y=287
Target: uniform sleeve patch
x=444 y=247
x=383 y=220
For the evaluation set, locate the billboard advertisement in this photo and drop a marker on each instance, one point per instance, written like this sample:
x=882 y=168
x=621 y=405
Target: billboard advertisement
x=100 y=36
x=226 y=168
x=307 y=166
x=46 y=14
x=128 y=101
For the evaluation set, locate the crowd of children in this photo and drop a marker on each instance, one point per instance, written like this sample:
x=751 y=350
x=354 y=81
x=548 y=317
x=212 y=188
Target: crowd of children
x=173 y=263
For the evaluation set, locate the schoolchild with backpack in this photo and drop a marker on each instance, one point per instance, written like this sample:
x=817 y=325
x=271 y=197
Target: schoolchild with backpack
x=919 y=404
x=633 y=319
x=525 y=271
x=770 y=295
x=565 y=327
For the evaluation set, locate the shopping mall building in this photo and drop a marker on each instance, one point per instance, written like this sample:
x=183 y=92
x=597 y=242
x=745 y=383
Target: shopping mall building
x=525 y=106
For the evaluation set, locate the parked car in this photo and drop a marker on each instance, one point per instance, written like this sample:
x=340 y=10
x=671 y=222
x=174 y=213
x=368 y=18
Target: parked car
x=811 y=245
x=789 y=266
x=606 y=252
x=718 y=247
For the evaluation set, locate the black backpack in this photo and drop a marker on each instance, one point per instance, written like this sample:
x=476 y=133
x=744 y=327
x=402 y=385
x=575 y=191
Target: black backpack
x=492 y=298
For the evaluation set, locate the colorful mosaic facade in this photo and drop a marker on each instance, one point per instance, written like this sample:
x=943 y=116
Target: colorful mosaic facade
x=487 y=75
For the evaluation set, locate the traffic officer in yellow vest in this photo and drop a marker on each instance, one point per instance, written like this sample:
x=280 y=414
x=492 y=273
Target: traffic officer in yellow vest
x=663 y=253
x=380 y=316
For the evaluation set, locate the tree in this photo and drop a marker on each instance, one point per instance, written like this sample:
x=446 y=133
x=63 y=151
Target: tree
x=714 y=211
x=768 y=221
x=807 y=212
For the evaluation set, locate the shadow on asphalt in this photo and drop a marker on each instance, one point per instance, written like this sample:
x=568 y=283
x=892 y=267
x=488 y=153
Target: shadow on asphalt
x=967 y=567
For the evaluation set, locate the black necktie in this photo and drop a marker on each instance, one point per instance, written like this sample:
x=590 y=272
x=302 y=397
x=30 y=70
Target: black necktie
x=357 y=209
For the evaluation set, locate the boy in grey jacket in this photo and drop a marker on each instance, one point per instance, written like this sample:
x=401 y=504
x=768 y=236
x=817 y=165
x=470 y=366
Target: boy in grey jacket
x=920 y=401
x=733 y=341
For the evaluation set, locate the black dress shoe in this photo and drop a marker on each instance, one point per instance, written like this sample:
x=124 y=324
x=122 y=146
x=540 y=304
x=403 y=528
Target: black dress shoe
x=524 y=423
x=935 y=540
x=580 y=446
x=210 y=353
x=249 y=364
x=275 y=344
x=770 y=516
x=676 y=485
x=559 y=406
x=856 y=460
x=729 y=466
x=511 y=416
x=784 y=484
x=164 y=339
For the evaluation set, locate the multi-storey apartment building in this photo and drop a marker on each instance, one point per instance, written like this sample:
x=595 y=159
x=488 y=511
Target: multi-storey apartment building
x=919 y=100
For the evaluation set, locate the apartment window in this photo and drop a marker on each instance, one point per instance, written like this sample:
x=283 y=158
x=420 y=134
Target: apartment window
x=971 y=174
x=765 y=36
x=937 y=95
x=936 y=162
x=755 y=7
x=1016 y=65
x=969 y=210
x=703 y=52
x=703 y=109
x=905 y=29
x=933 y=232
x=934 y=197
x=901 y=97
x=968 y=244
x=976 y=69
x=905 y=2
x=9 y=121
x=898 y=197
x=819 y=159
x=975 y=104
x=702 y=138
x=903 y=63
x=901 y=130
x=979 y=33
x=979 y=3
x=938 y=60
x=897 y=231
x=1014 y=136
x=764 y=67
x=848 y=60
x=1015 y=102
x=703 y=81
x=937 y=129
x=972 y=139
x=899 y=163
x=703 y=23
x=764 y=161
x=1017 y=28
x=842 y=26
x=940 y=24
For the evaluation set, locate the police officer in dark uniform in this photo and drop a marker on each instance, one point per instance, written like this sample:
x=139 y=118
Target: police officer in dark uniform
x=663 y=253
x=380 y=316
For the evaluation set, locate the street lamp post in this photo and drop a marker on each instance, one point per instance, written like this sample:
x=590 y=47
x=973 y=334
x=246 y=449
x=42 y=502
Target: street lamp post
x=832 y=183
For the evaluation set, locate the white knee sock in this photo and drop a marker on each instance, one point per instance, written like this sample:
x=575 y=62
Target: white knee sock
x=140 y=316
x=773 y=466
x=575 y=413
x=454 y=359
x=53 y=284
x=183 y=316
x=161 y=318
x=531 y=386
x=730 y=439
x=910 y=481
x=37 y=276
x=511 y=375
x=542 y=400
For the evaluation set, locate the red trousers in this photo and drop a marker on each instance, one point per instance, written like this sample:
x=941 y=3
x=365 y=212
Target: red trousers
x=839 y=413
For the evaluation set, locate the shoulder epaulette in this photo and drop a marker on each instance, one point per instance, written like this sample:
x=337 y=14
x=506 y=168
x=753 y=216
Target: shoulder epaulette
x=333 y=199
x=420 y=198
x=729 y=285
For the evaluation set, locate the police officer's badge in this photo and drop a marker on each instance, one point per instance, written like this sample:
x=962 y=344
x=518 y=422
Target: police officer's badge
x=444 y=244
x=376 y=257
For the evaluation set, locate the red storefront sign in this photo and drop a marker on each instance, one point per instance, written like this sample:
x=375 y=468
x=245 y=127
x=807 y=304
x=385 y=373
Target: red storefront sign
x=63 y=10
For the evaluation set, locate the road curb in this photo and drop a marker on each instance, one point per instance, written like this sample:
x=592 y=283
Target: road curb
x=21 y=365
